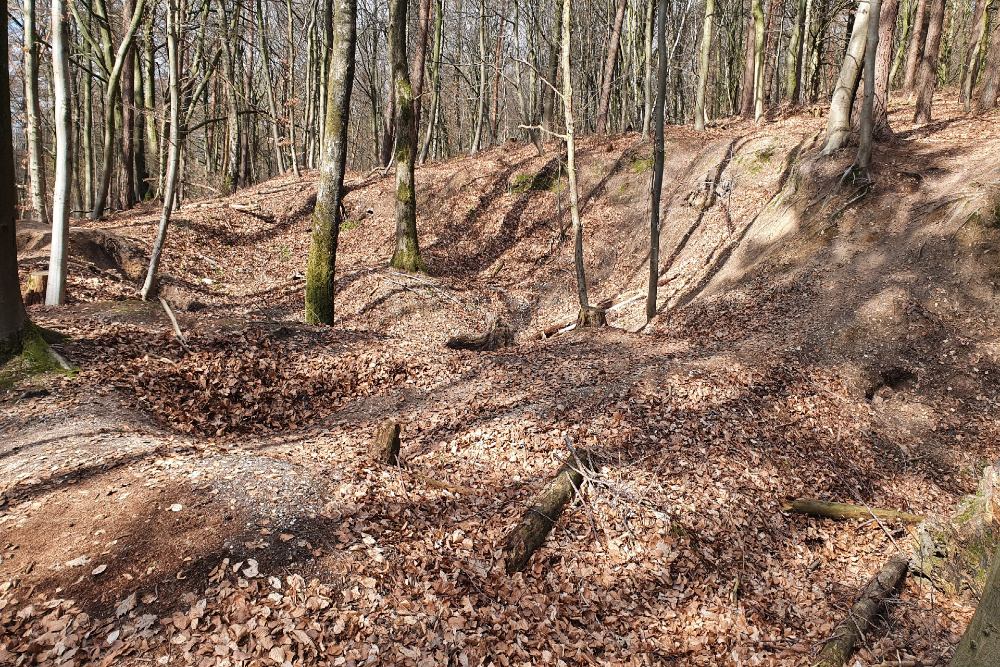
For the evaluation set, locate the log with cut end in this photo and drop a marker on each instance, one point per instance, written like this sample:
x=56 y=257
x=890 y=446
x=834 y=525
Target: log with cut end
x=38 y=282
x=386 y=446
x=838 y=649
x=827 y=510
x=497 y=337
x=546 y=507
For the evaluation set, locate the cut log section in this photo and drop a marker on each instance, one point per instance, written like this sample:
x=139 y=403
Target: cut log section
x=838 y=649
x=592 y=317
x=38 y=282
x=827 y=510
x=386 y=446
x=497 y=337
x=545 y=509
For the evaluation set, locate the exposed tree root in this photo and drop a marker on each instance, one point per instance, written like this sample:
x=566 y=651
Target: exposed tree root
x=497 y=337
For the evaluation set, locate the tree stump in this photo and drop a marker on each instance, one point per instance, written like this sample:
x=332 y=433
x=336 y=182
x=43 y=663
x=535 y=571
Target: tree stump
x=385 y=449
x=497 y=337
x=38 y=282
x=591 y=316
x=545 y=510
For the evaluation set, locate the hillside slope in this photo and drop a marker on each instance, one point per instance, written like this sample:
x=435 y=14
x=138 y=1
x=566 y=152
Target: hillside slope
x=813 y=340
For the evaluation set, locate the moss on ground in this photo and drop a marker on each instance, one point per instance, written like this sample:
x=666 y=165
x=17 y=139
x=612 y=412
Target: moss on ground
x=35 y=359
x=641 y=165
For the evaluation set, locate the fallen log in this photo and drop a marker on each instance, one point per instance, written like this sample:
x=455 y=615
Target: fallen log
x=828 y=510
x=385 y=449
x=545 y=509
x=839 y=647
x=497 y=337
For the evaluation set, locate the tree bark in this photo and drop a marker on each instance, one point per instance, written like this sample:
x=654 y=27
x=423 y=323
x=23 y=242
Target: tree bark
x=127 y=195
x=838 y=127
x=574 y=204
x=927 y=76
x=883 y=63
x=420 y=60
x=915 y=53
x=758 y=59
x=36 y=159
x=481 y=108
x=56 y=292
x=407 y=254
x=647 y=80
x=327 y=216
x=990 y=87
x=13 y=320
x=703 y=66
x=657 y=184
x=272 y=107
x=610 y=62
x=977 y=43
x=980 y=645
x=435 y=80
x=828 y=510
x=793 y=61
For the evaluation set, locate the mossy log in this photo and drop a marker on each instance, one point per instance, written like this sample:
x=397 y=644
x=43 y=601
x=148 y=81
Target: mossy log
x=497 y=337
x=385 y=449
x=545 y=510
x=827 y=510
x=38 y=282
x=838 y=649
x=592 y=316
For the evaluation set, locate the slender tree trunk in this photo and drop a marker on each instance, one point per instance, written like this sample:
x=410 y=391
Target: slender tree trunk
x=174 y=155
x=407 y=254
x=389 y=126
x=574 y=204
x=292 y=100
x=435 y=80
x=862 y=162
x=149 y=98
x=420 y=60
x=13 y=320
x=128 y=113
x=883 y=62
x=838 y=127
x=647 y=80
x=272 y=107
x=915 y=53
x=703 y=66
x=758 y=59
x=927 y=76
x=610 y=62
x=977 y=44
x=36 y=159
x=793 y=61
x=56 y=291
x=749 y=61
x=321 y=270
x=88 y=144
x=657 y=186
x=481 y=109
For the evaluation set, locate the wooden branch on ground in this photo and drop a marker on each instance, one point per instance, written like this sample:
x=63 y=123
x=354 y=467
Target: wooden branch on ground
x=545 y=509
x=173 y=321
x=838 y=649
x=827 y=510
x=385 y=449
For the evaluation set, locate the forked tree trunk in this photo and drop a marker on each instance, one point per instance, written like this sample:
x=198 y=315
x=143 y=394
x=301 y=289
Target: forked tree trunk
x=321 y=271
x=703 y=66
x=609 y=68
x=838 y=127
x=407 y=254
x=174 y=152
x=927 y=76
x=657 y=186
x=13 y=320
x=56 y=291
x=36 y=159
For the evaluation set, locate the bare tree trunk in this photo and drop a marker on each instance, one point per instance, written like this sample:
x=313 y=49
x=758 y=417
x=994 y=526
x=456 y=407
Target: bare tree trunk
x=389 y=126
x=796 y=44
x=838 y=127
x=420 y=60
x=481 y=109
x=574 y=205
x=435 y=80
x=292 y=101
x=749 y=60
x=915 y=53
x=758 y=59
x=927 y=76
x=174 y=155
x=149 y=98
x=13 y=320
x=980 y=645
x=703 y=65
x=407 y=254
x=272 y=107
x=321 y=271
x=36 y=159
x=977 y=43
x=55 y=292
x=609 y=68
x=990 y=87
x=657 y=186
x=128 y=197
x=883 y=62
x=647 y=80
x=862 y=162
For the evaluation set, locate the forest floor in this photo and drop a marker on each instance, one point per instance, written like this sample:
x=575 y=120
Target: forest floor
x=213 y=502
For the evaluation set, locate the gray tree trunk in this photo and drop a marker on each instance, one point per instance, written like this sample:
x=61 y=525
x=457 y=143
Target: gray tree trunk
x=36 y=159
x=55 y=293
x=703 y=66
x=838 y=127
x=657 y=187
x=614 y=45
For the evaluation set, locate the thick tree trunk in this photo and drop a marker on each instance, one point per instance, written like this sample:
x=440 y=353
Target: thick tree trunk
x=927 y=76
x=703 y=66
x=915 y=53
x=838 y=127
x=609 y=67
x=36 y=159
x=658 y=155
x=13 y=319
x=980 y=645
x=883 y=62
x=327 y=217
x=977 y=43
x=56 y=292
x=407 y=254
x=990 y=87
x=174 y=154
